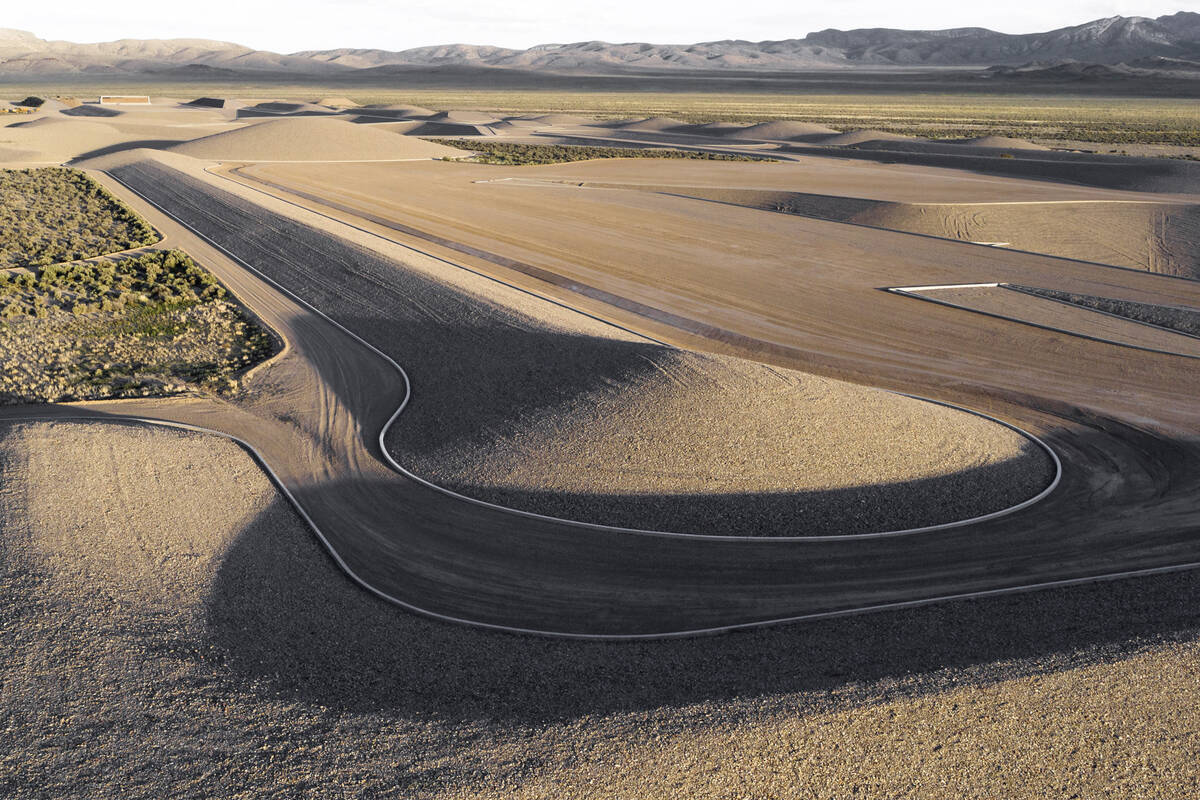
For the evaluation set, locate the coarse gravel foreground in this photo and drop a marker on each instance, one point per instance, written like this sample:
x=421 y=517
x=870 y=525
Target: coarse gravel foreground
x=169 y=628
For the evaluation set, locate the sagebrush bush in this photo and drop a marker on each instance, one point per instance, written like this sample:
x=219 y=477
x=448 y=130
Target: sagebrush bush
x=54 y=214
x=514 y=154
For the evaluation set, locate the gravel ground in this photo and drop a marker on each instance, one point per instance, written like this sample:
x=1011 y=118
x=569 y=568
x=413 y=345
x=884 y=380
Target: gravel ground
x=537 y=407
x=169 y=628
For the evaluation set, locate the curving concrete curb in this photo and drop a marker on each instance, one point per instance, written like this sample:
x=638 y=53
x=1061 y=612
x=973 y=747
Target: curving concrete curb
x=915 y=293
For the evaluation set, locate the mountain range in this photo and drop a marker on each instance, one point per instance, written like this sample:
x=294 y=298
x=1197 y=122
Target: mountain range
x=1115 y=40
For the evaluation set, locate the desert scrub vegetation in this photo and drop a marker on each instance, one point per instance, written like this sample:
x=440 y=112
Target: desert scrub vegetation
x=152 y=324
x=1180 y=320
x=514 y=154
x=57 y=214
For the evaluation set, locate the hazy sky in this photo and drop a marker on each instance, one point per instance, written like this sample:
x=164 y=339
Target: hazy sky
x=290 y=25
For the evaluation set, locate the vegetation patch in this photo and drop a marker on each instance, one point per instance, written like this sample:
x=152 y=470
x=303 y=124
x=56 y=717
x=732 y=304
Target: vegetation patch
x=514 y=154
x=54 y=214
x=153 y=324
x=1181 y=320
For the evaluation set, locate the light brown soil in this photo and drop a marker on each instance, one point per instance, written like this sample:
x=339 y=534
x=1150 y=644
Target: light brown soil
x=1149 y=236
x=54 y=139
x=169 y=628
x=1053 y=314
x=862 y=136
x=780 y=130
x=311 y=139
x=718 y=445
x=1156 y=237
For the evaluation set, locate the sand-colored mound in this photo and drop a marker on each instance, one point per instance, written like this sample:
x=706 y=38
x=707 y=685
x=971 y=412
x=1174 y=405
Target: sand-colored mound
x=311 y=139
x=863 y=136
x=715 y=128
x=654 y=124
x=509 y=125
x=124 y=158
x=91 y=110
x=782 y=130
x=619 y=123
x=207 y=102
x=1005 y=142
x=396 y=110
x=450 y=129
x=284 y=109
x=337 y=102
x=721 y=445
x=561 y=119
x=464 y=117
x=58 y=138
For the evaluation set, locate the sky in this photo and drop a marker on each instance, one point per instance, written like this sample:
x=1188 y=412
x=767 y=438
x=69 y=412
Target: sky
x=292 y=25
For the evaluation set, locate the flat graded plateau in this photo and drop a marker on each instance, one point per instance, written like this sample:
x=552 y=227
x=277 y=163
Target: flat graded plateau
x=1052 y=314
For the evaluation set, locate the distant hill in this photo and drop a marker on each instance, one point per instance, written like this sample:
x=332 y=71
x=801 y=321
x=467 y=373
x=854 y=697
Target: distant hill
x=1167 y=43
x=22 y=53
x=1104 y=41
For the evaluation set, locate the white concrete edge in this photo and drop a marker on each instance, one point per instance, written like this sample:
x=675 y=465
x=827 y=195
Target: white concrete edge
x=1027 y=290
x=636 y=531
x=915 y=292
x=935 y=287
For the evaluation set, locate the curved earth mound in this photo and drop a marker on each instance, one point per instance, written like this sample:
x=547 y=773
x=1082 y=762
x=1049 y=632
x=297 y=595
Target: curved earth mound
x=284 y=108
x=337 y=102
x=311 y=139
x=680 y=441
x=91 y=110
x=782 y=130
x=560 y=119
x=653 y=124
x=464 y=117
x=396 y=110
x=998 y=142
x=57 y=138
x=865 y=135
x=207 y=102
x=717 y=128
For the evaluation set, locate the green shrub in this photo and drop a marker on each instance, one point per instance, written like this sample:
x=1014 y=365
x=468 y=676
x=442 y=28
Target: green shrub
x=514 y=154
x=54 y=214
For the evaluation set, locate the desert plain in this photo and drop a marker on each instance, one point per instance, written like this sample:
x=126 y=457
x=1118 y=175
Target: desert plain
x=796 y=461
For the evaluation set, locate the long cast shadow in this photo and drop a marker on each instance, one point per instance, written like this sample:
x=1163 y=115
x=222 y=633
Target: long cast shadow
x=288 y=620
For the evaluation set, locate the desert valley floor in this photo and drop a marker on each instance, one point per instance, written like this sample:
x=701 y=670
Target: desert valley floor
x=529 y=429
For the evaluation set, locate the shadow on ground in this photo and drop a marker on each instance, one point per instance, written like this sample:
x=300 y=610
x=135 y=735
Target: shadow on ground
x=120 y=147
x=287 y=619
